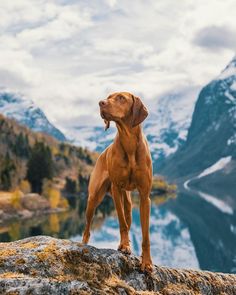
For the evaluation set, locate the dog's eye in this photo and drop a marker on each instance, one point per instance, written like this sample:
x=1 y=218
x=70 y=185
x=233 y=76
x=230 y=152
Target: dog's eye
x=121 y=98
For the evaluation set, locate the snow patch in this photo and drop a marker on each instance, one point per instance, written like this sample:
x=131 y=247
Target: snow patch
x=230 y=96
x=219 y=204
x=227 y=73
x=186 y=184
x=233 y=86
x=231 y=140
x=215 y=167
x=23 y=110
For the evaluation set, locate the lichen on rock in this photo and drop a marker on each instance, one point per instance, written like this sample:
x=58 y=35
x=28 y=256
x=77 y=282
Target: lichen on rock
x=45 y=265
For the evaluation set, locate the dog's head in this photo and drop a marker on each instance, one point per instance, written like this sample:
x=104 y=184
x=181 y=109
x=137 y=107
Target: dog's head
x=123 y=106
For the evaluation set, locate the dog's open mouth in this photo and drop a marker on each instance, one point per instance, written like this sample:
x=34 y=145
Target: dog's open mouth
x=106 y=121
x=107 y=124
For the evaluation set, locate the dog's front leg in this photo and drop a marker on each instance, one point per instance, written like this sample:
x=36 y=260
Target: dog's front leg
x=145 y=203
x=124 y=228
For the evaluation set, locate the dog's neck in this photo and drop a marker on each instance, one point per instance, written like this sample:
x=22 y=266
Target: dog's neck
x=129 y=138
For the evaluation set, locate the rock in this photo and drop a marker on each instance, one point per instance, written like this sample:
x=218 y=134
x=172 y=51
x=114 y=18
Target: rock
x=35 y=202
x=25 y=213
x=45 y=265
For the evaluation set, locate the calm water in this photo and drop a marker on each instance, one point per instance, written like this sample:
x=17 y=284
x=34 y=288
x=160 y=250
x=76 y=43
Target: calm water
x=187 y=230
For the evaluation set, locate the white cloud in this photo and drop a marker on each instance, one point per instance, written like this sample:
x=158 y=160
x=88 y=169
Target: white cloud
x=66 y=55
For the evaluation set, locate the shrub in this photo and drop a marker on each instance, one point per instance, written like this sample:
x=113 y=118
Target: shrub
x=52 y=194
x=16 y=199
x=54 y=198
x=25 y=186
x=63 y=203
x=54 y=223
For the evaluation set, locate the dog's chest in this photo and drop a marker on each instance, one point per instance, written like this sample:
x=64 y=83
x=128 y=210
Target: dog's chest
x=123 y=171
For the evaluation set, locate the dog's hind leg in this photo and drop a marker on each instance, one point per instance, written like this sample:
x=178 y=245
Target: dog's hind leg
x=98 y=185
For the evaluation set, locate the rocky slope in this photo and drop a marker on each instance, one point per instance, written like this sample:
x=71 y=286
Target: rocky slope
x=44 y=265
x=208 y=155
x=25 y=112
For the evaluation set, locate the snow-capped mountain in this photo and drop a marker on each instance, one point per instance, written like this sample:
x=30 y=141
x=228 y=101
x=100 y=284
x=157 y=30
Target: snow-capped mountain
x=25 y=112
x=207 y=158
x=165 y=127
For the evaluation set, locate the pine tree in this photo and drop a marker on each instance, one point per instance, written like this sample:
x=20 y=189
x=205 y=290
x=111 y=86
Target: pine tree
x=6 y=173
x=39 y=167
x=70 y=185
x=21 y=147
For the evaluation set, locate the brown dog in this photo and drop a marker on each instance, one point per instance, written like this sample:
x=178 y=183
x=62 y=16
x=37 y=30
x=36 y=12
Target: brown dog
x=124 y=166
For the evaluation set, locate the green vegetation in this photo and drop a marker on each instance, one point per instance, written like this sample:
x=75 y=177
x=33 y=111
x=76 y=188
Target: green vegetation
x=28 y=158
x=39 y=166
x=7 y=170
x=71 y=185
x=161 y=186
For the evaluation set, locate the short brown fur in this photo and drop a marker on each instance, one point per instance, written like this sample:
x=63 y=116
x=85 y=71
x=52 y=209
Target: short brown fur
x=124 y=166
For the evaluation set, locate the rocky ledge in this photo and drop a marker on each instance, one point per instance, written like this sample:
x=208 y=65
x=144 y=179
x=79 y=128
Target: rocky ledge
x=45 y=265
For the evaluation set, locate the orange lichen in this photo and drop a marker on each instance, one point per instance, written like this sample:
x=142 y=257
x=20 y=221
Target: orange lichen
x=33 y=272
x=49 y=253
x=20 y=261
x=29 y=245
x=175 y=289
x=115 y=282
x=11 y=275
x=5 y=253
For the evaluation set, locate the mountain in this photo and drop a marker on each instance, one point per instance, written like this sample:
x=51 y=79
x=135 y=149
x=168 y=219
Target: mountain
x=165 y=127
x=25 y=112
x=29 y=155
x=207 y=159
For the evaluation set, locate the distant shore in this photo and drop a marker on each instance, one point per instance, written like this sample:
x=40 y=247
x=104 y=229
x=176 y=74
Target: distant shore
x=20 y=206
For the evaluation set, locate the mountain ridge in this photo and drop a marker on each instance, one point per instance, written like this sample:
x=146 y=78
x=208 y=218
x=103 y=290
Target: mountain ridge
x=25 y=112
x=211 y=137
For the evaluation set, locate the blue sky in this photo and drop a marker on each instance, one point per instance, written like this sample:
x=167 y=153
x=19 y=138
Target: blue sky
x=66 y=55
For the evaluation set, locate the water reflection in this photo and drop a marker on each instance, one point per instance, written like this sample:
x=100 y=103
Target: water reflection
x=60 y=225
x=211 y=230
x=186 y=231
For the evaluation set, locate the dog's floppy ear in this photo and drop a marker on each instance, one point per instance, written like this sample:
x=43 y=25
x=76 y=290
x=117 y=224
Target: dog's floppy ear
x=139 y=111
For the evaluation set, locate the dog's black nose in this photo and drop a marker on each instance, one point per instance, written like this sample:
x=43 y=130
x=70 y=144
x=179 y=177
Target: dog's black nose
x=102 y=103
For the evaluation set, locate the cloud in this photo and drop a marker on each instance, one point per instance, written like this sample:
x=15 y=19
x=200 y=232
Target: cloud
x=67 y=54
x=216 y=37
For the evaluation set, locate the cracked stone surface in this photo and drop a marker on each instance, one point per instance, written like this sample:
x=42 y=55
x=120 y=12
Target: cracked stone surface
x=45 y=265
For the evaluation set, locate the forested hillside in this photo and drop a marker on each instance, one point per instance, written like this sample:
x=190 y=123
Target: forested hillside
x=28 y=159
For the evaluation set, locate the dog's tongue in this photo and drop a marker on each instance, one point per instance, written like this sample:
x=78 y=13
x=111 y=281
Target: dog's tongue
x=107 y=123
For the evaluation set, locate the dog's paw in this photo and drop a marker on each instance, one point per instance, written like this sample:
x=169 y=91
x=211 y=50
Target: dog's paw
x=85 y=238
x=146 y=264
x=148 y=267
x=124 y=249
